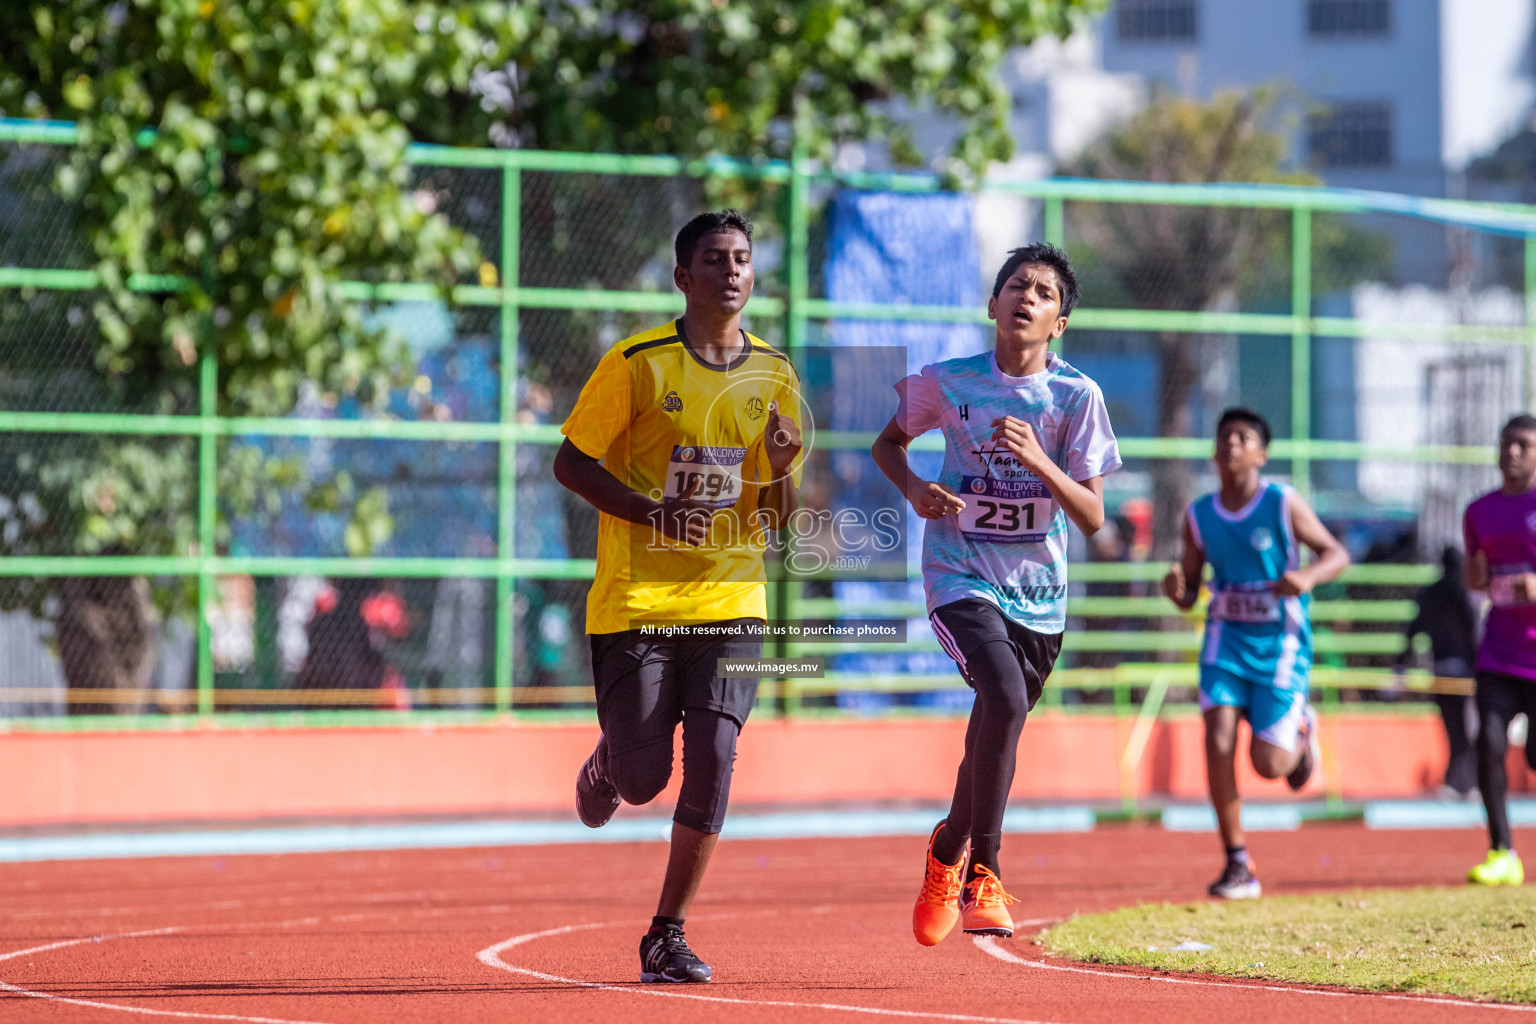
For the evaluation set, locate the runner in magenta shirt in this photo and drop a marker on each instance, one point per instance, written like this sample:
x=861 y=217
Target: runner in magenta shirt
x=1500 y=530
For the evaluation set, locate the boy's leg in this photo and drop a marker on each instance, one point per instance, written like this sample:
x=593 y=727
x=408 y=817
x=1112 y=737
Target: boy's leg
x=638 y=711
x=1499 y=699
x=1497 y=703
x=1284 y=732
x=1006 y=665
x=1224 y=698
x=714 y=709
x=1221 y=773
x=709 y=753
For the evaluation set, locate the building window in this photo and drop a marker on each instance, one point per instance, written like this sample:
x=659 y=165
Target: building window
x=1332 y=18
x=1155 y=21
x=1350 y=135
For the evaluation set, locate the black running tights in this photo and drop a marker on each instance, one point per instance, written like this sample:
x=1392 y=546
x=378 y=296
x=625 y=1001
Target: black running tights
x=1499 y=699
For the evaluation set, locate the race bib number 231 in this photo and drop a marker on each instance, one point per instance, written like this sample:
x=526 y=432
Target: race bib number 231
x=1005 y=511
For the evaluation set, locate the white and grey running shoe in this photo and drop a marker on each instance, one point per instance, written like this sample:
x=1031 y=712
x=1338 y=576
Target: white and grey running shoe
x=1237 y=882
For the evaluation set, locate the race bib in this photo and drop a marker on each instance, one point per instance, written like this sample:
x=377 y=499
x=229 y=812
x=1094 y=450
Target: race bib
x=1501 y=585
x=715 y=471
x=1005 y=511
x=1245 y=606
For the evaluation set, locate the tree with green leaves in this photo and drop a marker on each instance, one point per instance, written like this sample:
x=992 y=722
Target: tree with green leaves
x=238 y=162
x=1197 y=258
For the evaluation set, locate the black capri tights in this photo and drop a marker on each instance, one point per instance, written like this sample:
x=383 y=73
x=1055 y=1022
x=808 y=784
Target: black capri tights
x=709 y=756
x=645 y=686
x=1499 y=699
x=1006 y=664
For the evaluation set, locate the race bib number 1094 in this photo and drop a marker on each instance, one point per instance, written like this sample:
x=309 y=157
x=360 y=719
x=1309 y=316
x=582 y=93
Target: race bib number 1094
x=1005 y=511
x=715 y=472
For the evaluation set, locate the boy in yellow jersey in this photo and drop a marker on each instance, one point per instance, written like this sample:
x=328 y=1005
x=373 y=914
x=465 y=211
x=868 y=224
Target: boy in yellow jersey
x=683 y=440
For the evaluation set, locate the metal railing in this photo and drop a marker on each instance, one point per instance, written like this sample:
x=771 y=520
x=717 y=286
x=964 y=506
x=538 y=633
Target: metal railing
x=797 y=309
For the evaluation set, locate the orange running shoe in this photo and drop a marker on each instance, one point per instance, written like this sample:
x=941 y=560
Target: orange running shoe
x=984 y=905
x=938 y=905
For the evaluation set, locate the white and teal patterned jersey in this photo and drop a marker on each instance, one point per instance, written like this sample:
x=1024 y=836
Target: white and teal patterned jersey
x=1250 y=631
x=1009 y=546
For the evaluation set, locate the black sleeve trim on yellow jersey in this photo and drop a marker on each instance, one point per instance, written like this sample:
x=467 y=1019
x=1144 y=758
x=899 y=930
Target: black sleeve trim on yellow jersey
x=651 y=344
x=764 y=350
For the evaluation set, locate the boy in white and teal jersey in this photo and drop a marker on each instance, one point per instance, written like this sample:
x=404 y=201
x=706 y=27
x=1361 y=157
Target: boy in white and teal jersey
x=1027 y=442
x=1257 y=651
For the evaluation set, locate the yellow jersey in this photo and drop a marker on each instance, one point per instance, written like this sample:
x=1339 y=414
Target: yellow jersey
x=659 y=417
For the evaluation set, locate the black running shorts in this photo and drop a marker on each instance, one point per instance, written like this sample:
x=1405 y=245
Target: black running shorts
x=644 y=683
x=963 y=627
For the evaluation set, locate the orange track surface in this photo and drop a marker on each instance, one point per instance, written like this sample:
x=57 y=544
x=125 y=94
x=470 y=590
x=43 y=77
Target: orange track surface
x=797 y=930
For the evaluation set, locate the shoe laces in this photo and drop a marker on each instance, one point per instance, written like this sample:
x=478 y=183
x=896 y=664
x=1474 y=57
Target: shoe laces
x=671 y=940
x=986 y=889
x=1237 y=872
x=941 y=882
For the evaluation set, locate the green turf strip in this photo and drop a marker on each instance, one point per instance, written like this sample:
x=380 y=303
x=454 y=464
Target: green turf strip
x=1472 y=942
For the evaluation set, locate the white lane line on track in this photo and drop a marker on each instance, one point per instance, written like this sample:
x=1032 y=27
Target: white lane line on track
x=491 y=957
x=94 y=1004
x=988 y=944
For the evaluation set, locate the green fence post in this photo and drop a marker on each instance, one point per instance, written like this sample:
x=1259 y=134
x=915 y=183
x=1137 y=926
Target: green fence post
x=797 y=280
x=1055 y=234
x=1123 y=706
x=1301 y=350
x=1055 y=229
x=506 y=490
x=207 y=512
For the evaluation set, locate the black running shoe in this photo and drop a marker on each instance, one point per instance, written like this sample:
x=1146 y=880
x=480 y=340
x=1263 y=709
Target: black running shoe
x=596 y=797
x=1237 y=882
x=665 y=956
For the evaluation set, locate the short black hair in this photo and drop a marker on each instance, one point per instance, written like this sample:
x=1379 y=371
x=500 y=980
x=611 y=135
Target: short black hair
x=1240 y=414
x=1524 y=421
x=1047 y=255
x=706 y=224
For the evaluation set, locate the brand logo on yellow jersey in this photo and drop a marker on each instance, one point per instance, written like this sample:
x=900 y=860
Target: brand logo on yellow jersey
x=672 y=403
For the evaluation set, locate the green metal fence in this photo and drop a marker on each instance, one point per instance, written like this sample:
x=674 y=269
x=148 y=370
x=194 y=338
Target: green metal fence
x=520 y=205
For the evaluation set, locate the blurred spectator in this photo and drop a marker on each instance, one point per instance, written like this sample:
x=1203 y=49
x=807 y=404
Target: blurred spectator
x=456 y=639
x=352 y=622
x=1445 y=615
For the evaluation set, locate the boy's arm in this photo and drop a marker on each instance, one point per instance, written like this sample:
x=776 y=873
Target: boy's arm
x=1329 y=557
x=1082 y=501
x=680 y=518
x=1191 y=566
x=931 y=500
x=781 y=446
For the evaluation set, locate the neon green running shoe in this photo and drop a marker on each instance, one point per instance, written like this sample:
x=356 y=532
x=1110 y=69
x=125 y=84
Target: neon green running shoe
x=1502 y=867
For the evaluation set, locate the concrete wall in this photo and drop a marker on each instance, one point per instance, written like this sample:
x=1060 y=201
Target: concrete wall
x=56 y=779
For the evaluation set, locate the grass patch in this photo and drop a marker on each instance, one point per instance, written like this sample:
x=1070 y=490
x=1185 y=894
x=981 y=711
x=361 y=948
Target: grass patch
x=1471 y=942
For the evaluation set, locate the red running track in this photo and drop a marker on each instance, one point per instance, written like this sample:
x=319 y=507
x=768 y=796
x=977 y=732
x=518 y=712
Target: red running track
x=797 y=930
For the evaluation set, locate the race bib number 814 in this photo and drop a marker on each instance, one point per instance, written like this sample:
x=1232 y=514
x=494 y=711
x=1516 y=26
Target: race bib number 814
x=715 y=472
x=1005 y=511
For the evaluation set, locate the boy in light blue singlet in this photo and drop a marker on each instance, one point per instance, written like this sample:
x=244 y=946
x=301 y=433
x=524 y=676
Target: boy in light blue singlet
x=1027 y=443
x=1257 y=651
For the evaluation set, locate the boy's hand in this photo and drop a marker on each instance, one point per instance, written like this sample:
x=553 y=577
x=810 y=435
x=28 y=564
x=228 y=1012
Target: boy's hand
x=1019 y=438
x=933 y=500
x=1293 y=584
x=684 y=519
x=1174 y=584
x=781 y=440
x=1524 y=587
